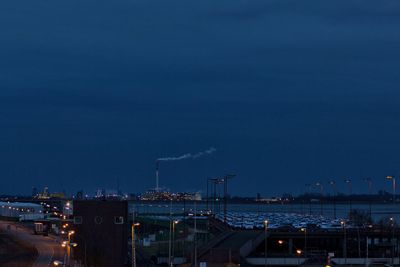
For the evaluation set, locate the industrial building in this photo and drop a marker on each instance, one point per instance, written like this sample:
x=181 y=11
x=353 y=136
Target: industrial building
x=21 y=211
x=101 y=232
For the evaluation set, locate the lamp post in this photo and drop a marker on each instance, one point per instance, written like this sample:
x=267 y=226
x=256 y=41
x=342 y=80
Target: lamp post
x=266 y=222
x=393 y=225
x=333 y=184
x=170 y=233
x=308 y=186
x=174 y=223
x=133 y=243
x=348 y=182
x=70 y=233
x=208 y=180
x=369 y=181
x=343 y=223
x=321 y=187
x=391 y=177
x=195 y=234
x=58 y=263
x=225 y=180
x=298 y=253
x=214 y=182
x=305 y=241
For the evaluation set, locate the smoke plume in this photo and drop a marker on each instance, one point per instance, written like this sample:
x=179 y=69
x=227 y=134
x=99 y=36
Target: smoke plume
x=189 y=155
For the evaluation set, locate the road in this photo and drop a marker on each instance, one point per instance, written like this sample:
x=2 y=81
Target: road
x=48 y=247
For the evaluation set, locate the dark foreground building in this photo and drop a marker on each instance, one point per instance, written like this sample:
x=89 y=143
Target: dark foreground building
x=101 y=232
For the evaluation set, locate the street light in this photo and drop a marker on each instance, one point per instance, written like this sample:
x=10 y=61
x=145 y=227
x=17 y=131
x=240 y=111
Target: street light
x=369 y=181
x=343 y=223
x=348 y=182
x=57 y=263
x=175 y=222
x=133 y=244
x=70 y=233
x=393 y=225
x=322 y=195
x=305 y=240
x=266 y=222
x=390 y=177
x=333 y=184
x=298 y=253
x=308 y=186
x=195 y=234
x=170 y=233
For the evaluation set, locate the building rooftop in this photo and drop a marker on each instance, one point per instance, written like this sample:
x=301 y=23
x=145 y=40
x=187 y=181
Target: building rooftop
x=19 y=205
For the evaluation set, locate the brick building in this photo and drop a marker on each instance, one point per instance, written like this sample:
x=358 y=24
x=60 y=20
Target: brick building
x=101 y=232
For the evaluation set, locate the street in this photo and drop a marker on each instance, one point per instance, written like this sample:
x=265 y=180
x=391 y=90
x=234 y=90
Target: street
x=48 y=247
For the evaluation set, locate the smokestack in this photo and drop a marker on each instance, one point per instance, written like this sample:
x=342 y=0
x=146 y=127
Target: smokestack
x=209 y=151
x=157 y=166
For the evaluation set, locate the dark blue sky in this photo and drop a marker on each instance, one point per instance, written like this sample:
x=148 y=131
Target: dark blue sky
x=289 y=92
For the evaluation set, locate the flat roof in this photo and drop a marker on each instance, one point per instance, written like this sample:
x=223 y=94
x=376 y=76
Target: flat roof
x=20 y=205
